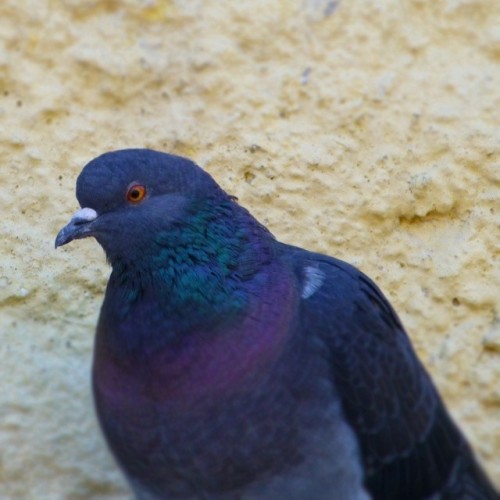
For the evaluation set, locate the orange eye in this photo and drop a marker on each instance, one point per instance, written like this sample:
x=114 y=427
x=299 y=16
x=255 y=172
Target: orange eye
x=136 y=193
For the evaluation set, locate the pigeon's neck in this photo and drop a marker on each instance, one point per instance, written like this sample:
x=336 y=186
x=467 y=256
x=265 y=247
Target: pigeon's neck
x=196 y=272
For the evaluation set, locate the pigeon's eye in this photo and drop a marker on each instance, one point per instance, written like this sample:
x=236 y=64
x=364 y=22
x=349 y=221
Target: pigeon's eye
x=136 y=193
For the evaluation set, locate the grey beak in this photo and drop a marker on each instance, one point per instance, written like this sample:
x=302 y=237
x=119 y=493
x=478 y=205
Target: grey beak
x=79 y=226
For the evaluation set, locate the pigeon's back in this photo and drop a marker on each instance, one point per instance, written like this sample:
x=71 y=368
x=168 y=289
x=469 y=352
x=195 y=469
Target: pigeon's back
x=409 y=446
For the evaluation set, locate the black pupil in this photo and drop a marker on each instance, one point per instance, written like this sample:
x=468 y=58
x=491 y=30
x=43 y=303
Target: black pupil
x=134 y=194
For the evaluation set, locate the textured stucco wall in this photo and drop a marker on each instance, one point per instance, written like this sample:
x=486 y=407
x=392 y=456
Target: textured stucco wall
x=366 y=130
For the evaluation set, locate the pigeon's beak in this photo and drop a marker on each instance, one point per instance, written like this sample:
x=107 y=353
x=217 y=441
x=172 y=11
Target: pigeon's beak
x=79 y=226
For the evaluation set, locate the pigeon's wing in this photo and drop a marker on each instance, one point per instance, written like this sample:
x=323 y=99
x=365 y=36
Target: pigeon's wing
x=410 y=447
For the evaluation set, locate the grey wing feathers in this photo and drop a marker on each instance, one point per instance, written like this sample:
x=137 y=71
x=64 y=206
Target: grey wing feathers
x=411 y=448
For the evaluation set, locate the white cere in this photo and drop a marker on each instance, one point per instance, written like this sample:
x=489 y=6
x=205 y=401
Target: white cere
x=85 y=214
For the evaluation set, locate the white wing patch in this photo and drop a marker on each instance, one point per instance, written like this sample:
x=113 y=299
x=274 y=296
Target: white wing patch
x=314 y=278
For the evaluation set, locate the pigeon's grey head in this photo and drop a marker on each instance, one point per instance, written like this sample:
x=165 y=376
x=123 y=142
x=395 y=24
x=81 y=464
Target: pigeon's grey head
x=129 y=196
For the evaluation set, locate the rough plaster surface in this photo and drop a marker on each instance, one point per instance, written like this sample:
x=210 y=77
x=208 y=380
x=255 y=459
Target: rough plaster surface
x=366 y=130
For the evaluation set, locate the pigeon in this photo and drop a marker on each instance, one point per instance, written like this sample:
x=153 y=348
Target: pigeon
x=229 y=365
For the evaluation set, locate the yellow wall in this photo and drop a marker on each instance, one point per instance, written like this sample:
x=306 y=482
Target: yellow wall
x=366 y=130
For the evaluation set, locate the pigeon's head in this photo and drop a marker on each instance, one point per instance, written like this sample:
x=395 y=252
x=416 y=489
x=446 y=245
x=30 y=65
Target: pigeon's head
x=128 y=197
